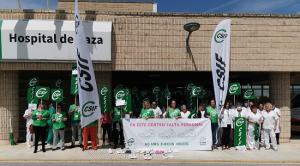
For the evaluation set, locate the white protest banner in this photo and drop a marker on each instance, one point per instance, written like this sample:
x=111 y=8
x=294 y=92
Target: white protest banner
x=220 y=61
x=87 y=87
x=181 y=134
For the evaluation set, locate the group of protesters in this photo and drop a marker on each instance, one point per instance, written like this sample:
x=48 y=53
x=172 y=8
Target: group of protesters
x=263 y=125
x=48 y=123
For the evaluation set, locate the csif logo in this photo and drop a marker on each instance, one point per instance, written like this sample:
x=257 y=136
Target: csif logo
x=240 y=122
x=41 y=92
x=220 y=36
x=104 y=91
x=248 y=93
x=196 y=91
x=89 y=108
x=120 y=95
x=156 y=90
x=33 y=82
x=234 y=88
x=56 y=95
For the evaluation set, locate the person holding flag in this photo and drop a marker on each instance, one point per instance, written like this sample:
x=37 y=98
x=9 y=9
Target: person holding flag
x=254 y=123
x=51 y=111
x=40 y=117
x=146 y=112
x=59 y=119
x=213 y=116
x=117 y=132
x=74 y=113
x=173 y=112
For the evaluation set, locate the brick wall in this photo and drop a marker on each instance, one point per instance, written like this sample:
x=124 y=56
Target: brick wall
x=280 y=96
x=9 y=104
x=156 y=42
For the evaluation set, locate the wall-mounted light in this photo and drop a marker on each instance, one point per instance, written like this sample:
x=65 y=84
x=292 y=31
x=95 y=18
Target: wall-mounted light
x=190 y=27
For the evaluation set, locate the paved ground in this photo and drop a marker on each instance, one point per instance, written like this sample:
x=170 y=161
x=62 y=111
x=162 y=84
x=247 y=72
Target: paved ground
x=288 y=153
x=138 y=164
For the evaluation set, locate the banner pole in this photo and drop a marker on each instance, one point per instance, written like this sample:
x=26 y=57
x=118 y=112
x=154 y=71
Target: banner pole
x=197 y=103
x=234 y=100
x=55 y=106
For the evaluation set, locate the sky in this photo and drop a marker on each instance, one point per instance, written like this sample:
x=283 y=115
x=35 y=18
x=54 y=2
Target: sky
x=190 y=6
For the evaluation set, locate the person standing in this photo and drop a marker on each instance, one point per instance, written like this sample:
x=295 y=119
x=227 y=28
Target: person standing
x=117 y=132
x=269 y=126
x=213 y=116
x=173 y=112
x=51 y=111
x=147 y=112
x=58 y=120
x=201 y=113
x=106 y=127
x=185 y=113
x=157 y=111
x=277 y=130
x=74 y=113
x=40 y=117
x=226 y=125
x=254 y=121
x=29 y=128
x=90 y=130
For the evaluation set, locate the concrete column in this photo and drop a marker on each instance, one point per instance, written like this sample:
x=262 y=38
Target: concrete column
x=9 y=105
x=103 y=78
x=280 y=96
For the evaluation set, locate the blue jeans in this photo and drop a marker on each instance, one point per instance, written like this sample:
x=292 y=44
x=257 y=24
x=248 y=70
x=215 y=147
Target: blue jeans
x=214 y=127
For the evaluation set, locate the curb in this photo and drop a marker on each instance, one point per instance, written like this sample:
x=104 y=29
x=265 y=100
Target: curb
x=156 y=161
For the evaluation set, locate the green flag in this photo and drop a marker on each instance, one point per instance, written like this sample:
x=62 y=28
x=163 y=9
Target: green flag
x=33 y=82
x=57 y=95
x=31 y=99
x=249 y=94
x=167 y=93
x=240 y=131
x=74 y=82
x=234 y=89
x=196 y=90
x=42 y=92
x=105 y=99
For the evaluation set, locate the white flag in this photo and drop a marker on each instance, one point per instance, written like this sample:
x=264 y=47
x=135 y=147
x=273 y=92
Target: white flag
x=220 y=61
x=87 y=87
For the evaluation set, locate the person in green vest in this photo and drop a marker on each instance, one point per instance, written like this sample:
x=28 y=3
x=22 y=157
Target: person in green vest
x=146 y=112
x=173 y=112
x=58 y=120
x=213 y=116
x=40 y=117
x=74 y=113
x=118 y=137
x=51 y=111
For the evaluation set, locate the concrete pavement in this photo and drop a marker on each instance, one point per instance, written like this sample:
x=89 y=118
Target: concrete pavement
x=288 y=153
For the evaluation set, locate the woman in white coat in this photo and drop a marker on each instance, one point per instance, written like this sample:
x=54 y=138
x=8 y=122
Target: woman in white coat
x=254 y=121
x=269 y=126
x=226 y=124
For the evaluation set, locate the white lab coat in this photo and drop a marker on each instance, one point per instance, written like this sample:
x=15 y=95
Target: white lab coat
x=157 y=112
x=269 y=120
x=185 y=115
x=226 y=117
x=278 y=113
x=29 y=137
x=253 y=118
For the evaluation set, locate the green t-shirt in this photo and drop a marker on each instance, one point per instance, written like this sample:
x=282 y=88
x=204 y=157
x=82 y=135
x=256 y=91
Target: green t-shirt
x=212 y=112
x=75 y=117
x=147 y=113
x=59 y=121
x=117 y=114
x=173 y=113
x=51 y=111
x=40 y=122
